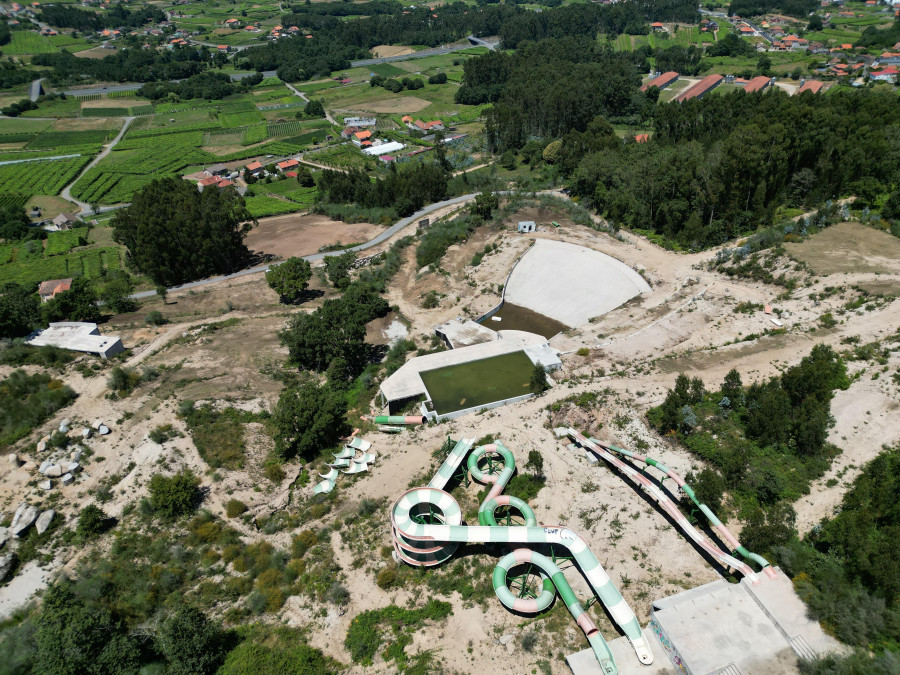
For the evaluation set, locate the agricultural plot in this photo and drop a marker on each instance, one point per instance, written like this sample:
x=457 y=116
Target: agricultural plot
x=260 y=206
x=60 y=139
x=27 y=268
x=28 y=42
x=387 y=70
x=14 y=199
x=40 y=178
x=63 y=242
x=240 y=119
x=343 y=157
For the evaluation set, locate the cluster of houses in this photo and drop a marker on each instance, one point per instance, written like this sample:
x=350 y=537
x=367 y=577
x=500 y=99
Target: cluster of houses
x=419 y=125
x=279 y=32
x=288 y=167
x=359 y=131
x=217 y=175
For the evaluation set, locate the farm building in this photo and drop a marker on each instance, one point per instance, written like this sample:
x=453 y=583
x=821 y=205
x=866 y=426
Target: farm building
x=704 y=86
x=79 y=337
x=815 y=86
x=759 y=83
x=360 y=121
x=48 y=289
x=384 y=148
x=217 y=170
x=661 y=81
x=254 y=167
x=526 y=226
x=287 y=164
x=360 y=137
x=65 y=221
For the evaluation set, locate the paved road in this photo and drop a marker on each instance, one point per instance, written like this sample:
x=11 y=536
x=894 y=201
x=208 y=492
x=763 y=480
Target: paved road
x=435 y=51
x=315 y=257
x=38 y=159
x=36 y=89
x=67 y=191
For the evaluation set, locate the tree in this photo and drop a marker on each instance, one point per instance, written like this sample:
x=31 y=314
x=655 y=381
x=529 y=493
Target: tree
x=290 y=279
x=439 y=78
x=338 y=269
x=115 y=292
x=174 y=496
x=535 y=463
x=307 y=419
x=709 y=487
x=891 y=208
x=175 y=234
x=15 y=224
x=485 y=204
x=20 y=311
x=508 y=160
x=732 y=387
x=538 y=384
x=162 y=292
x=314 y=109
x=815 y=23
x=71 y=638
x=92 y=521
x=191 y=643
x=79 y=303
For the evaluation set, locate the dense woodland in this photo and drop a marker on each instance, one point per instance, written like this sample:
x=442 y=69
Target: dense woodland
x=407 y=188
x=127 y=65
x=66 y=16
x=176 y=234
x=795 y=8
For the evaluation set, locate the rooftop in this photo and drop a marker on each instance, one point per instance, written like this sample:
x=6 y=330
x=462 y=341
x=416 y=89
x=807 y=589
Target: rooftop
x=465 y=333
x=77 y=336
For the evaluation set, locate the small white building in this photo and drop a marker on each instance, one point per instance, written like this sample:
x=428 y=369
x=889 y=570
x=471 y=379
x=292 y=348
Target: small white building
x=527 y=226
x=79 y=336
x=360 y=121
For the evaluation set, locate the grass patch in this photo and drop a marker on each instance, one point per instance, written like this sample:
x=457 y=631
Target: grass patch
x=218 y=434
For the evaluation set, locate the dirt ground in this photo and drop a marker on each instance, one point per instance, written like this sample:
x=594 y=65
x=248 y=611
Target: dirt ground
x=292 y=234
x=686 y=323
x=391 y=50
x=404 y=104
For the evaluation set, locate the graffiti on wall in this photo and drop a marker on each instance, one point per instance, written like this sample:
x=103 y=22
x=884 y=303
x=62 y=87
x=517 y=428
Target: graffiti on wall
x=674 y=656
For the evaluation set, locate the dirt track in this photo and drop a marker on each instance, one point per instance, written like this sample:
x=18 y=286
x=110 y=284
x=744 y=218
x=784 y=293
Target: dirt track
x=295 y=235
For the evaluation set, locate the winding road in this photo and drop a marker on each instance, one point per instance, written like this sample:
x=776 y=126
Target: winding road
x=67 y=191
x=315 y=257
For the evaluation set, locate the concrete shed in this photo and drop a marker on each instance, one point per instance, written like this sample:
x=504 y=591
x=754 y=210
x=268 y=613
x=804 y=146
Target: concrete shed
x=79 y=336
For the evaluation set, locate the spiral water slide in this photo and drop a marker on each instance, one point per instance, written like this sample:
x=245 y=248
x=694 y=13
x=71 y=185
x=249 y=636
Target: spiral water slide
x=427 y=529
x=606 y=452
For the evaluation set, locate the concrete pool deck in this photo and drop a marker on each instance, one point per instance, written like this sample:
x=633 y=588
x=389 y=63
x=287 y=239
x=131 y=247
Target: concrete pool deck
x=571 y=283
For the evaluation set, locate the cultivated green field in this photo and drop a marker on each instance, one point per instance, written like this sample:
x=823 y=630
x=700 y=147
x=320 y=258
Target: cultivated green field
x=28 y=42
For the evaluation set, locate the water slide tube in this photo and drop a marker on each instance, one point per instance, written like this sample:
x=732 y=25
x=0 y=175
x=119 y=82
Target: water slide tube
x=667 y=505
x=427 y=528
x=396 y=419
x=716 y=524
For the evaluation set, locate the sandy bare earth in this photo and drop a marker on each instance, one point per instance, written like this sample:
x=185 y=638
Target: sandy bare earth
x=391 y=50
x=295 y=235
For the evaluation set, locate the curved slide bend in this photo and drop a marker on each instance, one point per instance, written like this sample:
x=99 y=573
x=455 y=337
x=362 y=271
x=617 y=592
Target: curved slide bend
x=604 y=451
x=427 y=528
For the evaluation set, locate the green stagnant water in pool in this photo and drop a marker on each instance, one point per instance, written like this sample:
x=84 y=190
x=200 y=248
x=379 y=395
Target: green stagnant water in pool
x=475 y=383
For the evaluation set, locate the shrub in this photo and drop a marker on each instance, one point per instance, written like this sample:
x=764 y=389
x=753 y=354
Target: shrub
x=155 y=318
x=234 y=508
x=538 y=384
x=387 y=577
x=122 y=380
x=174 y=496
x=529 y=641
x=338 y=594
x=303 y=542
x=91 y=522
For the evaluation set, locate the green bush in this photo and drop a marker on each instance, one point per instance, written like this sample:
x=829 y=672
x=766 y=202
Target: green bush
x=276 y=649
x=92 y=521
x=387 y=577
x=174 y=496
x=364 y=636
x=123 y=380
x=155 y=318
x=234 y=508
x=26 y=401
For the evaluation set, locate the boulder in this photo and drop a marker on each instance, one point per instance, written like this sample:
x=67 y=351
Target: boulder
x=53 y=471
x=96 y=424
x=4 y=536
x=46 y=464
x=6 y=564
x=13 y=459
x=24 y=516
x=103 y=430
x=46 y=485
x=76 y=456
x=63 y=428
x=66 y=421
x=74 y=466
x=43 y=521
x=86 y=433
x=506 y=639
x=29 y=466
x=67 y=479
x=41 y=446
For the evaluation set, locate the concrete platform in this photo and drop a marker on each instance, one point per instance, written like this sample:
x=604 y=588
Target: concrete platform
x=738 y=629
x=570 y=283
x=458 y=333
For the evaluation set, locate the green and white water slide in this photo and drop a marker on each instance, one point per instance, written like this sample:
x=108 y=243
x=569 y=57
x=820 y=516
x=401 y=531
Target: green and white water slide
x=427 y=528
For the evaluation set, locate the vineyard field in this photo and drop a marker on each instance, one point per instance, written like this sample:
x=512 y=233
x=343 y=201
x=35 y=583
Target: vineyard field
x=40 y=178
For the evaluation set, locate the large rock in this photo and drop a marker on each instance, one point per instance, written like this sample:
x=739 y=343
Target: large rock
x=74 y=466
x=86 y=432
x=44 y=520
x=41 y=446
x=4 y=536
x=6 y=564
x=24 y=516
x=13 y=459
x=54 y=471
x=96 y=424
x=67 y=479
x=46 y=464
x=46 y=485
x=103 y=430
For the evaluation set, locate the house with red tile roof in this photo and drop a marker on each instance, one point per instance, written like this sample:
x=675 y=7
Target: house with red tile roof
x=51 y=288
x=704 y=86
x=642 y=138
x=287 y=164
x=661 y=81
x=888 y=74
x=815 y=86
x=758 y=84
x=254 y=167
x=360 y=136
x=657 y=26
